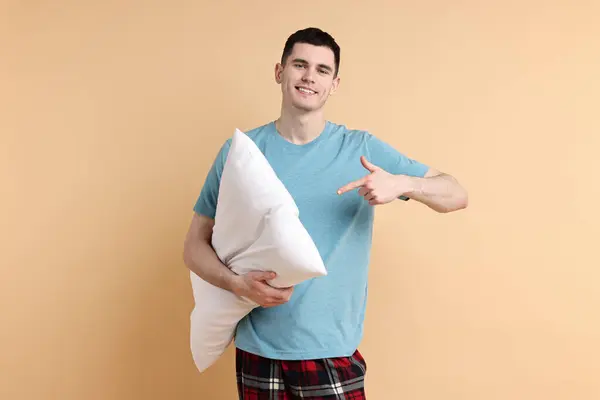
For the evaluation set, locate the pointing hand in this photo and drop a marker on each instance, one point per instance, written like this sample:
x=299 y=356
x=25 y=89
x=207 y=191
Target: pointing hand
x=379 y=186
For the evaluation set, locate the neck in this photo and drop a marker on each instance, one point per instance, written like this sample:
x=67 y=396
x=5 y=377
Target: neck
x=300 y=128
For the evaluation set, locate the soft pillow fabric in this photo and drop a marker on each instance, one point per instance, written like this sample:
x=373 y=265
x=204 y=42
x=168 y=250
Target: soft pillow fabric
x=256 y=228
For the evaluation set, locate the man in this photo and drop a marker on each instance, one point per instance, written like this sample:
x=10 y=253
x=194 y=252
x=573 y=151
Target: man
x=302 y=342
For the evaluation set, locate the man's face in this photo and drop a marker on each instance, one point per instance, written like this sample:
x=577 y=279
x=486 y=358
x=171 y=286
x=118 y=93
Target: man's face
x=308 y=77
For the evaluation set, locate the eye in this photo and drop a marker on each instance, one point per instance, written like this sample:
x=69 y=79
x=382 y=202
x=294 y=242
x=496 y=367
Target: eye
x=324 y=71
x=298 y=65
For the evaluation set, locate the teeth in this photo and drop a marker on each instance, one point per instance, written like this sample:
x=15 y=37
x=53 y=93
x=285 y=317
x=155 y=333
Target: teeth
x=306 y=91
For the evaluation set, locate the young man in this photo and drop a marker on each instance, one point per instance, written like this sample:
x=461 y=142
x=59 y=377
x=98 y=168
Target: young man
x=302 y=342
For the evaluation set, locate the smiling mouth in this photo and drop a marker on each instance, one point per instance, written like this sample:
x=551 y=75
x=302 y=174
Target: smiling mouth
x=304 y=90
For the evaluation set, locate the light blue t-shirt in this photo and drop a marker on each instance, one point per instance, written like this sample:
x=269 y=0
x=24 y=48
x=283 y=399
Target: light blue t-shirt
x=324 y=317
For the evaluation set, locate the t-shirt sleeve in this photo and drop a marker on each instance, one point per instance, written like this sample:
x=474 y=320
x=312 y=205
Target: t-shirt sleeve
x=393 y=161
x=206 y=204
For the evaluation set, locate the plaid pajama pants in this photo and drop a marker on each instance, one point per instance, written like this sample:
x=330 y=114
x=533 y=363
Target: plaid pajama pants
x=261 y=378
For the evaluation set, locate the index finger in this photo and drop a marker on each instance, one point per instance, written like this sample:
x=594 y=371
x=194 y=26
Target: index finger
x=352 y=185
x=278 y=293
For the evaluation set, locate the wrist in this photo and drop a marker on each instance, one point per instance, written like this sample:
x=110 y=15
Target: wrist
x=232 y=282
x=409 y=185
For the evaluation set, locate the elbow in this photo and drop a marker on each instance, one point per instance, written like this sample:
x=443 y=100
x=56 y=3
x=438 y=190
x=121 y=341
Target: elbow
x=185 y=257
x=460 y=202
x=193 y=251
x=186 y=254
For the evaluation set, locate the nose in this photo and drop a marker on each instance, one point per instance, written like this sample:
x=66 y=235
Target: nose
x=308 y=76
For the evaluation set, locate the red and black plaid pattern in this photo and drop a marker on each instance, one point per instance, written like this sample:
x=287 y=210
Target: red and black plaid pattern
x=339 y=378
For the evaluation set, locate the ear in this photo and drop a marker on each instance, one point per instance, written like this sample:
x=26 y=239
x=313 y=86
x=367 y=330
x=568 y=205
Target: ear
x=278 y=72
x=336 y=84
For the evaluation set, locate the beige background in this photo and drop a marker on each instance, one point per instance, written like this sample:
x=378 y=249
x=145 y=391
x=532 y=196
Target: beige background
x=112 y=113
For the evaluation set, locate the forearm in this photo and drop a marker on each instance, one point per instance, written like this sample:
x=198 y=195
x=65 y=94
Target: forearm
x=201 y=259
x=442 y=192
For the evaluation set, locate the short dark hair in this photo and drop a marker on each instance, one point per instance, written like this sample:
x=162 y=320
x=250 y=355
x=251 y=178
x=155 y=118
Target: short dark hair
x=315 y=37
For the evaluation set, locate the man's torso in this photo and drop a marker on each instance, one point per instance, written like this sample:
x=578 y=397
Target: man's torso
x=324 y=317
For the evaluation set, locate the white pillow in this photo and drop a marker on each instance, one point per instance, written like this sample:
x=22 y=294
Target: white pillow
x=256 y=228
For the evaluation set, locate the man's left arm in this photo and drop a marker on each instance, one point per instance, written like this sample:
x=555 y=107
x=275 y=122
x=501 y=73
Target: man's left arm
x=438 y=190
x=392 y=175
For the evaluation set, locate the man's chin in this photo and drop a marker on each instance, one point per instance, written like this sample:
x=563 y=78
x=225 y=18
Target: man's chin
x=304 y=107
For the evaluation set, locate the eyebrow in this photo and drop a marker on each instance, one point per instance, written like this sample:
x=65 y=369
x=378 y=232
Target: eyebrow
x=302 y=61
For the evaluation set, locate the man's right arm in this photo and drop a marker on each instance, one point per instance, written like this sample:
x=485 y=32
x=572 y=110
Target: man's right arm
x=200 y=257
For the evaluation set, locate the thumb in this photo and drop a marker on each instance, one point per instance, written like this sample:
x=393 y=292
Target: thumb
x=263 y=275
x=368 y=165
